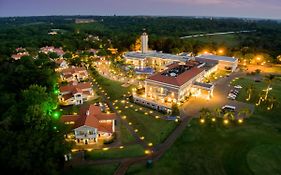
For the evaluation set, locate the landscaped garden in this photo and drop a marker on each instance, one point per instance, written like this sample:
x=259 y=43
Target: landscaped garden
x=107 y=169
x=114 y=153
x=146 y=122
x=251 y=147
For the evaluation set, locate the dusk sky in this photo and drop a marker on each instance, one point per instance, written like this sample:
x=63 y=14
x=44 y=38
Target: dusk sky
x=228 y=8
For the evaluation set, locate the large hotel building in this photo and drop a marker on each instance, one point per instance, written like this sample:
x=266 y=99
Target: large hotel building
x=177 y=77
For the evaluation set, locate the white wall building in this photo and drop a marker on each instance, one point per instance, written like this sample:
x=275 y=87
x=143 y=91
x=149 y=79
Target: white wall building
x=225 y=63
x=91 y=124
x=144 y=43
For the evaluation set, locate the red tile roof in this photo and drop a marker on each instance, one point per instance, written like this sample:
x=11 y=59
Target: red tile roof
x=73 y=70
x=72 y=88
x=69 y=118
x=59 y=61
x=180 y=79
x=91 y=116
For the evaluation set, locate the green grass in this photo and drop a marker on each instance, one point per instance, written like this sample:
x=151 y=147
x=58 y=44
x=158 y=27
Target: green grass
x=218 y=74
x=230 y=40
x=114 y=153
x=126 y=136
x=258 y=88
x=107 y=169
x=152 y=129
x=249 y=148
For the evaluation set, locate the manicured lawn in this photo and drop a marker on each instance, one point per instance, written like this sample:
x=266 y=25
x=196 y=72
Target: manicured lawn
x=114 y=153
x=258 y=88
x=126 y=136
x=107 y=169
x=229 y=40
x=216 y=75
x=153 y=130
x=249 y=148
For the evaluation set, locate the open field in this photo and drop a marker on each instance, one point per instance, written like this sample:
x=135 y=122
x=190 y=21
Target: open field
x=107 y=169
x=114 y=153
x=230 y=40
x=252 y=147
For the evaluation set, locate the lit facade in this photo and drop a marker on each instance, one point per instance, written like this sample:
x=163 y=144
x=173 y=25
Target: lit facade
x=74 y=74
x=75 y=94
x=175 y=84
x=224 y=63
x=144 y=43
x=91 y=124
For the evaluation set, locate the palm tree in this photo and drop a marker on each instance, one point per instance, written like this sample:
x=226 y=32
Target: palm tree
x=260 y=98
x=204 y=113
x=217 y=112
x=250 y=90
x=244 y=112
x=229 y=115
x=269 y=79
x=271 y=101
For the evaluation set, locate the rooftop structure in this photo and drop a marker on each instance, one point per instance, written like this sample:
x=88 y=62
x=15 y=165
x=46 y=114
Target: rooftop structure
x=48 y=49
x=177 y=74
x=74 y=74
x=144 y=43
x=176 y=83
x=225 y=62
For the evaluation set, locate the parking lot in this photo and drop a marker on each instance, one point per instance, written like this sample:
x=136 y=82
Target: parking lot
x=222 y=88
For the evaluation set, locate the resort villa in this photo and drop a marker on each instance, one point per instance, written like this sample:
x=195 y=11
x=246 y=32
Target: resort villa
x=74 y=74
x=49 y=49
x=61 y=63
x=75 y=93
x=91 y=124
x=176 y=83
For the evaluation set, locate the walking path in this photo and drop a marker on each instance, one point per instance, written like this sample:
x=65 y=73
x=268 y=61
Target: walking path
x=215 y=34
x=157 y=151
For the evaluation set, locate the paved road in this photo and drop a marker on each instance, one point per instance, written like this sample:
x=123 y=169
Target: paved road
x=222 y=88
x=215 y=34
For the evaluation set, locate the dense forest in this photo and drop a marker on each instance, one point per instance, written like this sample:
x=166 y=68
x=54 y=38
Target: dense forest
x=122 y=32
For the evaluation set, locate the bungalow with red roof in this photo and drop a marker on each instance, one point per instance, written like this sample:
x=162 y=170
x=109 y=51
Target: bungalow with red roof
x=176 y=83
x=91 y=124
x=48 y=49
x=75 y=93
x=18 y=56
x=61 y=63
x=74 y=74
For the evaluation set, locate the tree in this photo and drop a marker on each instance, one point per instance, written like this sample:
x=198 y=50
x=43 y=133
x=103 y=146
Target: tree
x=205 y=113
x=229 y=115
x=250 y=90
x=175 y=110
x=271 y=101
x=217 y=112
x=244 y=113
x=269 y=79
x=32 y=141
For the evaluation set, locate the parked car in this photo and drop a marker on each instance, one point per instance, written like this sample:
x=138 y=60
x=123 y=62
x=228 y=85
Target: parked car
x=238 y=87
x=231 y=97
x=226 y=108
